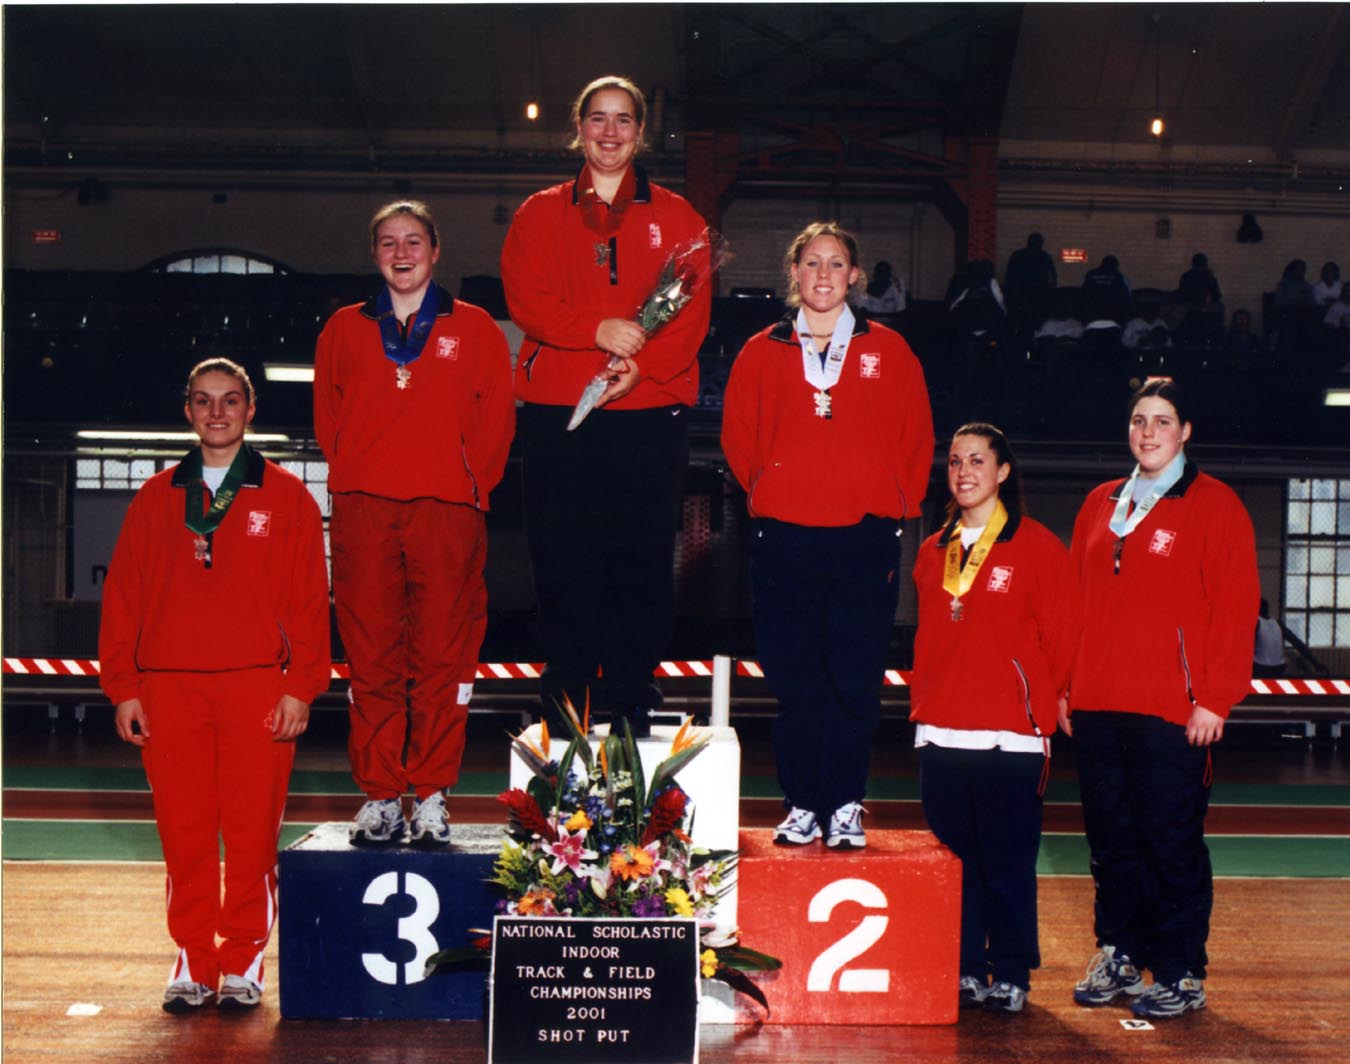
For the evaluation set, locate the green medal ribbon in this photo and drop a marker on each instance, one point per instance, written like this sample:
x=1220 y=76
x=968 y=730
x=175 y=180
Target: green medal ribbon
x=198 y=517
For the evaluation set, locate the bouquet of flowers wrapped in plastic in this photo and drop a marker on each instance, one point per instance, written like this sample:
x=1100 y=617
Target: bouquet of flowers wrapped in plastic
x=686 y=270
x=591 y=836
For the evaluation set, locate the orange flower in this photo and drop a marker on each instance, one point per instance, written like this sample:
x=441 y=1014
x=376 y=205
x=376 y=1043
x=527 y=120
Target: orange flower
x=538 y=902
x=631 y=863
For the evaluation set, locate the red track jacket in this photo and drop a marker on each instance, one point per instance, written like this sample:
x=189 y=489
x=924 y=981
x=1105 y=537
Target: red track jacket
x=445 y=437
x=263 y=600
x=1173 y=627
x=874 y=456
x=1023 y=610
x=559 y=290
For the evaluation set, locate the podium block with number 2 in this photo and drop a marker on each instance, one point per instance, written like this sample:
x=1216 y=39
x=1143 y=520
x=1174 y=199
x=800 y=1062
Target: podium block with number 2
x=865 y=936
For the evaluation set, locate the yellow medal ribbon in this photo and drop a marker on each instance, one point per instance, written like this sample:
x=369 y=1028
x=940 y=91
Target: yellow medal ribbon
x=958 y=579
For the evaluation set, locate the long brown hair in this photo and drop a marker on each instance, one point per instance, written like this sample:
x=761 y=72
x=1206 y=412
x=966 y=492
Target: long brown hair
x=1010 y=492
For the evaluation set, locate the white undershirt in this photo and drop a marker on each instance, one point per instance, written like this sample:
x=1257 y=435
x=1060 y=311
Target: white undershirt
x=214 y=476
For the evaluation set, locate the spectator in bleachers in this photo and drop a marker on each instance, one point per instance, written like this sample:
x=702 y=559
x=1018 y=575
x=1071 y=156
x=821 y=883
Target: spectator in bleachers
x=885 y=292
x=1240 y=339
x=1338 y=314
x=1029 y=284
x=1146 y=331
x=1328 y=287
x=1294 y=291
x=1268 y=652
x=1199 y=296
x=1105 y=304
x=414 y=412
x=978 y=307
x=1062 y=324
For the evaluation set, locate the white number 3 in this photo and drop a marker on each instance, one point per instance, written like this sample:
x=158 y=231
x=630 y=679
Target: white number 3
x=854 y=944
x=414 y=928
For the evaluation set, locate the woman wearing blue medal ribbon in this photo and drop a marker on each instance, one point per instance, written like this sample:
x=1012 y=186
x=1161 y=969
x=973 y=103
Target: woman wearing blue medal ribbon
x=1167 y=562
x=414 y=412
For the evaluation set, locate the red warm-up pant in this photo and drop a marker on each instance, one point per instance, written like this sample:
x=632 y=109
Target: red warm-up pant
x=412 y=610
x=217 y=774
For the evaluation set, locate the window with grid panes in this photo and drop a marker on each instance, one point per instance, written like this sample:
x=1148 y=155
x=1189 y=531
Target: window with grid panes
x=1317 y=562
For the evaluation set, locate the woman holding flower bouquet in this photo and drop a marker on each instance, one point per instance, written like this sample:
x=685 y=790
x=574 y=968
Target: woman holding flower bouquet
x=998 y=623
x=602 y=502
x=827 y=426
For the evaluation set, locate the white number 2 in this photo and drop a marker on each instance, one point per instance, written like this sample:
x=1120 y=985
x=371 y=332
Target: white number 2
x=414 y=928
x=854 y=944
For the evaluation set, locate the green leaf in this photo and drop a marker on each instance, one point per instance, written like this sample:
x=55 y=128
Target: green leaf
x=741 y=982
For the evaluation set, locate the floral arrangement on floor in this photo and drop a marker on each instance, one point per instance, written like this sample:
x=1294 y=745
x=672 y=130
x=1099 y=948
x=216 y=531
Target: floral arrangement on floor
x=590 y=836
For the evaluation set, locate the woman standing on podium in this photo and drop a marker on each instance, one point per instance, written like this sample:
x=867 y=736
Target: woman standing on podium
x=1167 y=560
x=827 y=427
x=213 y=643
x=602 y=502
x=413 y=410
x=998 y=627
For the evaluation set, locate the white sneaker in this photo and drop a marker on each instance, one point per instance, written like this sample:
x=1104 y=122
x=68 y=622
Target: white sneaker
x=380 y=821
x=187 y=996
x=846 y=831
x=430 y=823
x=797 y=829
x=236 y=992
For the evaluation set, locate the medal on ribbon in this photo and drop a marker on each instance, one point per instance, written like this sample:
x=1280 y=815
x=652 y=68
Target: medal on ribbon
x=822 y=371
x=198 y=516
x=404 y=346
x=957 y=579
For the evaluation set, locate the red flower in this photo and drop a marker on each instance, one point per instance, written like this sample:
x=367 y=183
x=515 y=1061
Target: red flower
x=667 y=815
x=525 y=817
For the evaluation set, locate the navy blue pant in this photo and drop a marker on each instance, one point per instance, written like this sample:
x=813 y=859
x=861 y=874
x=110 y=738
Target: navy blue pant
x=1145 y=796
x=602 y=505
x=983 y=806
x=824 y=604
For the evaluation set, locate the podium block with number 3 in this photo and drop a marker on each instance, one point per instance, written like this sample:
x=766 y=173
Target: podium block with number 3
x=865 y=936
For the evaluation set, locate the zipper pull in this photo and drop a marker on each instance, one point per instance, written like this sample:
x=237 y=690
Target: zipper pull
x=1117 y=552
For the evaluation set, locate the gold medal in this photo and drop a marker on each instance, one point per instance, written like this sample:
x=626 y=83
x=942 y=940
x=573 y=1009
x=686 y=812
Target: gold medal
x=404 y=375
x=199 y=549
x=957 y=579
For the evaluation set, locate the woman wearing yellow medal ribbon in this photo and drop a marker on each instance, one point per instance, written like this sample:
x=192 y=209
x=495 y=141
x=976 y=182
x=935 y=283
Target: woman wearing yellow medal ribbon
x=1167 y=560
x=826 y=425
x=998 y=623
x=213 y=643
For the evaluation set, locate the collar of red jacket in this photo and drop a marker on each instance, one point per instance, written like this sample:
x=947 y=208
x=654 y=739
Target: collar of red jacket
x=785 y=332
x=1009 y=529
x=1176 y=491
x=641 y=186
x=445 y=307
x=253 y=475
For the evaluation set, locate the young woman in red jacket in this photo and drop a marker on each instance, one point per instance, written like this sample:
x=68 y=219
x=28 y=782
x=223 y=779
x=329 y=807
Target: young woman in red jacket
x=998 y=626
x=213 y=643
x=602 y=502
x=1167 y=561
x=414 y=412
x=826 y=425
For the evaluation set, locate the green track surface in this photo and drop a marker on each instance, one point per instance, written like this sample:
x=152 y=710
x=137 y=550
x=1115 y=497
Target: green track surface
x=69 y=778
x=120 y=840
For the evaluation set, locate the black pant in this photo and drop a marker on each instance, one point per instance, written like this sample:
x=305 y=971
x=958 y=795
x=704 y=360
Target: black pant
x=824 y=605
x=1145 y=795
x=983 y=805
x=601 y=508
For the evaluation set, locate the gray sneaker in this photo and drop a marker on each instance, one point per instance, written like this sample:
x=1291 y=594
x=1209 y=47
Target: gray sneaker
x=1109 y=975
x=797 y=829
x=379 y=822
x=1162 y=1001
x=1005 y=997
x=846 y=831
x=236 y=992
x=430 y=823
x=187 y=996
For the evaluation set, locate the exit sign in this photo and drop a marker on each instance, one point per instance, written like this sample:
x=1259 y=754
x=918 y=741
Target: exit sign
x=46 y=236
x=1073 y=254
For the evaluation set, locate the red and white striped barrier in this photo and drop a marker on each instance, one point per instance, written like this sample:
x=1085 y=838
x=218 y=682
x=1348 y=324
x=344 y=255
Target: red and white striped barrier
x=526 y=670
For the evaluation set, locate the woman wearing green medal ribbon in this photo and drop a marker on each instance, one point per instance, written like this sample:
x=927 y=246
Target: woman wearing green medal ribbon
x=414 y=412
x=1167 y=561
x=998 y=626
x=213 y=643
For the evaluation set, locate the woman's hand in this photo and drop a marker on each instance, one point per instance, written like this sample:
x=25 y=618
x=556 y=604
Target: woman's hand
x=289 y=719
x=129 y=712
x=1204 y=728
x=1064 y=725
x=625 y=380
x=620 y=337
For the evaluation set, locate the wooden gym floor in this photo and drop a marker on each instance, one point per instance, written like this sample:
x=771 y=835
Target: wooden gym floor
x=85 y=952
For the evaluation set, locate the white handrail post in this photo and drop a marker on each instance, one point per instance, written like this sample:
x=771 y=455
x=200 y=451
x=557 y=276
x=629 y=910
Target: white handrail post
x=721 y=692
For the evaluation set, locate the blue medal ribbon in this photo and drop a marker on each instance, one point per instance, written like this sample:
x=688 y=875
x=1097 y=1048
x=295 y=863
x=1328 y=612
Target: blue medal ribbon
x=402 y=347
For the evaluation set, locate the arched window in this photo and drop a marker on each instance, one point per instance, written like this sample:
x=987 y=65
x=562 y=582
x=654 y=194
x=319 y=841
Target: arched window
x=217 y=260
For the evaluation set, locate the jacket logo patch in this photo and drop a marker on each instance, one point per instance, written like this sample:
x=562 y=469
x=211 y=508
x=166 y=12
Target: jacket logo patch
x=869 y=367
x=654 y=235
x=448 y=347
x=1162 y=541
x=259 y=522
x=1000 y=579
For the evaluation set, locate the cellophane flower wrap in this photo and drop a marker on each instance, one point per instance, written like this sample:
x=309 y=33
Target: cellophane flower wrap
x=687 y=269
x=590 y=836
